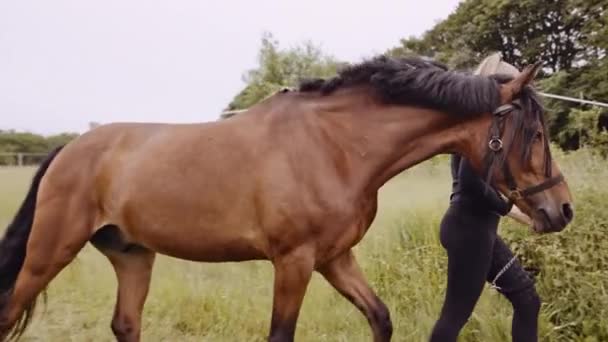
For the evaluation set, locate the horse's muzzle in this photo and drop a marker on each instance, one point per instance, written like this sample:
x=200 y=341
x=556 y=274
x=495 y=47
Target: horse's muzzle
x=551 y=220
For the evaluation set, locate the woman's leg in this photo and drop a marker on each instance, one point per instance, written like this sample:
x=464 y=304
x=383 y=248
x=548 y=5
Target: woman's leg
x=517 y=285
x=469 y=241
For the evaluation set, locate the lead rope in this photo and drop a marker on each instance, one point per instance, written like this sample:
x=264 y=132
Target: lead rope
x=502 y=271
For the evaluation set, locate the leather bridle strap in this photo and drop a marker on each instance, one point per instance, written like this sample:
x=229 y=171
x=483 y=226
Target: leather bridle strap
x=504 y=109
x=549 y=183
x=515 y=193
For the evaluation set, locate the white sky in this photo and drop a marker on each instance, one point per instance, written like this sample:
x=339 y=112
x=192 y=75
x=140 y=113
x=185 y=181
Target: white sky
x=64 y=63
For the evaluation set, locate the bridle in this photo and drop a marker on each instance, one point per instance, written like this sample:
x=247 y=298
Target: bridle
x=495 y=145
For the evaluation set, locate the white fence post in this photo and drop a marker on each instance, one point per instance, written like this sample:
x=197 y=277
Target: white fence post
x=18 y=159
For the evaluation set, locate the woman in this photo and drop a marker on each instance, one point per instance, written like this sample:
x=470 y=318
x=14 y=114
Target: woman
x=477 y=254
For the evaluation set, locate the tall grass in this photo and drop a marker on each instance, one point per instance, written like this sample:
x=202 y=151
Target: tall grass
x=401 y=257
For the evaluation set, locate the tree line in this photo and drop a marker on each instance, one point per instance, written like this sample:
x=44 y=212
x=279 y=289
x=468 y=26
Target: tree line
x=12 y=142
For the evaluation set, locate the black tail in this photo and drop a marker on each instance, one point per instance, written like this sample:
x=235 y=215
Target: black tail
x=13 y=245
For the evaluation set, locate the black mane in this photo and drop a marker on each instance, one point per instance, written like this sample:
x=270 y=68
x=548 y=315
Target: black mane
x=418 y=82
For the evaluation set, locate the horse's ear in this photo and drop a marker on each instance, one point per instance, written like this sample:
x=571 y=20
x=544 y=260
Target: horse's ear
x=512 y=88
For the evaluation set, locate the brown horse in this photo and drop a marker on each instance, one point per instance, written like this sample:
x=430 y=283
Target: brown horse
x=293 y=180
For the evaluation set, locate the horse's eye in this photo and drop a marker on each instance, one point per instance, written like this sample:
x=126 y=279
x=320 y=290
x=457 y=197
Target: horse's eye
x=538 y=136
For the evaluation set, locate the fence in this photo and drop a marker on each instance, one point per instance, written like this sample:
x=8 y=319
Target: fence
x=21 y=159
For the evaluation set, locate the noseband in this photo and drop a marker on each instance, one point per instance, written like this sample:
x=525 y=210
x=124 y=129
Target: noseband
x=495 y=145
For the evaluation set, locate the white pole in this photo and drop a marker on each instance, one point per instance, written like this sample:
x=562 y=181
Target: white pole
x=572 y=99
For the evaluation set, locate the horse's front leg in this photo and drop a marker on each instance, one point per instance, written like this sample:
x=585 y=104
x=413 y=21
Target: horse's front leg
x=292 y=275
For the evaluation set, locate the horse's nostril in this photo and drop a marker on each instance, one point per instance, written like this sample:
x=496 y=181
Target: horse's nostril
x=567 y=212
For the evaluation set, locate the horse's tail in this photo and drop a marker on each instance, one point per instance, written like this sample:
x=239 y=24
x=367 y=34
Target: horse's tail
x=13 y=245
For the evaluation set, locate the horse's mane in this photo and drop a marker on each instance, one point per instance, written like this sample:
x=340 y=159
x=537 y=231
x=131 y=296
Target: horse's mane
x=421 y=82
x=416 y=81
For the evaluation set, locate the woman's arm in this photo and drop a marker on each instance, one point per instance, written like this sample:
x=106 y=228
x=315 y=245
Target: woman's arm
x=520 y=217
x=477 y=187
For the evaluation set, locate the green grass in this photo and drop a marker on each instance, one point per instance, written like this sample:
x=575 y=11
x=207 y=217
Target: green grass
x=400 y=255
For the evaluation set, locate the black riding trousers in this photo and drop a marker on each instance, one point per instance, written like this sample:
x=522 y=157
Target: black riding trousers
x=475 y=255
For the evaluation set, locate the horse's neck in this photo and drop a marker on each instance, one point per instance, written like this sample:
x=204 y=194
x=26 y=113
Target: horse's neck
x=381 y=141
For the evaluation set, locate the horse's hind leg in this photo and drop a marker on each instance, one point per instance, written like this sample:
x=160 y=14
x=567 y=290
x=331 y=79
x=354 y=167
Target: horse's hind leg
x=57 y=235
x=133 y=266
x=292 y=275
x=344 y=275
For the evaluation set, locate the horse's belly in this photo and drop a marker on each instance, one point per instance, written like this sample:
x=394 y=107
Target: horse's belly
x=193 y=233
x=202 y=244
x=196 y=218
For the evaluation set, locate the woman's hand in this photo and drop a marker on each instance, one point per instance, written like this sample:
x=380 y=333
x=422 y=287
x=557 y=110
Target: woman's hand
x=520 y=217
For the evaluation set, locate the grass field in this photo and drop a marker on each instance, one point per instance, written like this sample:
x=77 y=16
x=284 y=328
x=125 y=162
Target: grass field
x=401 y=257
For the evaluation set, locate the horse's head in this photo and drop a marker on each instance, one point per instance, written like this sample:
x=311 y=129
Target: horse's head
x=516 y=155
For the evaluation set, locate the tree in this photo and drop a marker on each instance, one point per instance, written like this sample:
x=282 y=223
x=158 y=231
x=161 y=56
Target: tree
x=13 y=142
x=279 y=68
x=57 y=140
x=561 y=33
x=570 y=37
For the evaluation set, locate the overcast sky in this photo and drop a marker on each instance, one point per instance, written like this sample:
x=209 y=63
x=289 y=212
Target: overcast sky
x=64 y=63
